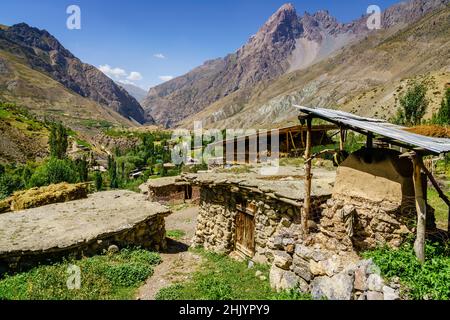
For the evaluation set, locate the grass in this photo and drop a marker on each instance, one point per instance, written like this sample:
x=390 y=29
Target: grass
x=175 y=234
x=441 y=209
x=429 y=281
x=105 y=277
x=221 y=278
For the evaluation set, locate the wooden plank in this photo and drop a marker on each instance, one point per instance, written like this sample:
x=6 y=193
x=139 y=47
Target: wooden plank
x=421 y=208
x=308 y=177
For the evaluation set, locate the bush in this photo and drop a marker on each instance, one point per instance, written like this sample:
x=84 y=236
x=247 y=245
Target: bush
x=428 y=281
x=54 y=171
x=9 y=183
x=443 y=115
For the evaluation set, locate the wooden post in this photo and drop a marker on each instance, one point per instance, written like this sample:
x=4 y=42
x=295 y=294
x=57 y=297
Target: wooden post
x=421 y=208
x=369 y=144
x=308 y=177
x=341 y=139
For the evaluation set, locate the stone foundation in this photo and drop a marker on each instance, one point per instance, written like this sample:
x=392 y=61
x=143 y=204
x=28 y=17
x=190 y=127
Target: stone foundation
x=80 y=228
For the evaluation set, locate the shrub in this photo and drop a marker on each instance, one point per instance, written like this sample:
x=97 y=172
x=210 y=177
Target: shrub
x=54 y=171
x=443 y=115
x=9 y=183
x=423 y=281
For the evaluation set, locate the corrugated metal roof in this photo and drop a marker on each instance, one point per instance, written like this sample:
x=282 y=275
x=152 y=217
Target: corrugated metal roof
x=380 y=127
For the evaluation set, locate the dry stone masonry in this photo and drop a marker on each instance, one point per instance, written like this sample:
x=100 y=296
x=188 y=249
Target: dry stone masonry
x=368 y=203
x=84 y=227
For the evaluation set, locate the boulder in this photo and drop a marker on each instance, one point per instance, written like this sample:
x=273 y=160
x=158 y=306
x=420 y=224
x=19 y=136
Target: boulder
x=282 y=260
x=282 y=280
x=375 y=282
x=338 y=287
x=390 y=293
x=374 y=295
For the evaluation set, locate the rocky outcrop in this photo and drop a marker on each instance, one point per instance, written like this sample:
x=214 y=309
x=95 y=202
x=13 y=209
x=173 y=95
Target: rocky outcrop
x=44 y=53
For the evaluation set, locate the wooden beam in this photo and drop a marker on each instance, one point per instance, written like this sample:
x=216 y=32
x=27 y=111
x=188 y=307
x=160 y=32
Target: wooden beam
x=421 y=208
x=369 y=143
x=341 y=139
x=441 y=194
x=308 y=177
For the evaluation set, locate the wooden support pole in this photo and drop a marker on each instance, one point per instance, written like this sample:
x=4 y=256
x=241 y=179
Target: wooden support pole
x=421 y=208
x=308 y=177
x=369 y=143
x=341 y=139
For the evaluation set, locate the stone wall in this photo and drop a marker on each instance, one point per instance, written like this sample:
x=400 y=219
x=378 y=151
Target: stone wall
x=80 y=228
x=216 y=228
x=150 y=234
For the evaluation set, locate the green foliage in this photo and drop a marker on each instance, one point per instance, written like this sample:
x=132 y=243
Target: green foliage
x=221 y=278
x=443 y=115
x=98 y=179
x=414 y=104
x=82 y=169
x=9 y=183
x=428 y=281
x=112 y=171
x=54 y=171
x=58 y=141
x=102 y=277
x=175 y=234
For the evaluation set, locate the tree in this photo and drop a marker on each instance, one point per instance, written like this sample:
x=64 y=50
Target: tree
x=414 y=104
x=112 y=170
x=98 y=181
x=83 y=171
x=443 y=115
x=58 y=141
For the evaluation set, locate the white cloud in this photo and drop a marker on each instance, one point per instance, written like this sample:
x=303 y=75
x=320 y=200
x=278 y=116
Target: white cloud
x=112 y=72
x=165 y=78
x=159 y=56
x=126 y=82
x=134 y=76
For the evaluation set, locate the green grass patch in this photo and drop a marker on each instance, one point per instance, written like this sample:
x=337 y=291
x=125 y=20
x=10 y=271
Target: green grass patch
x=222 y=278
x=428 y=281
x=440 y=207
x=175 y=234
x=105 y=277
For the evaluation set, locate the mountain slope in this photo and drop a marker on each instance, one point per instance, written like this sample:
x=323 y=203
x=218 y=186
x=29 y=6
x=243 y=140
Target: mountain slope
x=138 y=93
x=366 y=78
x=42 y=52
x=286 y=43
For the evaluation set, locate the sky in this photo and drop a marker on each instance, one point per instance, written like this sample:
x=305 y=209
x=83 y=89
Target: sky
x=147 y=42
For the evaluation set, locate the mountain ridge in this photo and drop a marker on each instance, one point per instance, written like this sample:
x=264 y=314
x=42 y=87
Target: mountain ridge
x=285 y=43
x=44 y=53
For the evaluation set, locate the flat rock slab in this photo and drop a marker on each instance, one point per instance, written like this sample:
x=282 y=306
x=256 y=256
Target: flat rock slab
x=65 y=225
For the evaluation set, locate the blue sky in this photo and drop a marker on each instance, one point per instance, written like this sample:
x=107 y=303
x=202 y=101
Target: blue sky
x=158 y=39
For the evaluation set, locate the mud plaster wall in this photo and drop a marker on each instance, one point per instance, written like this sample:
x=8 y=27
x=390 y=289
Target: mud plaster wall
x=372 y=204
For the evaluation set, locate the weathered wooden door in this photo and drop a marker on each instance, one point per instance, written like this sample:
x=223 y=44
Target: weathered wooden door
x=245 y=233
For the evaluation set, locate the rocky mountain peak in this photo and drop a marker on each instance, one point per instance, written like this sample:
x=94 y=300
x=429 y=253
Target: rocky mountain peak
x=281 y=25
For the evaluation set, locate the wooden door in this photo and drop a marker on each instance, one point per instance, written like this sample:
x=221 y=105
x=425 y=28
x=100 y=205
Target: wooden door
x=245 y=233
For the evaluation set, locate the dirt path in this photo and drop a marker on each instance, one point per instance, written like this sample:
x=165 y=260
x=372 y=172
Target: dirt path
x=177 y=263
